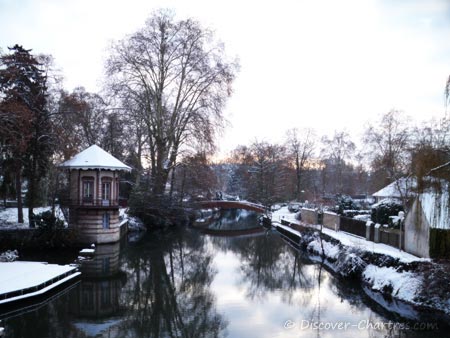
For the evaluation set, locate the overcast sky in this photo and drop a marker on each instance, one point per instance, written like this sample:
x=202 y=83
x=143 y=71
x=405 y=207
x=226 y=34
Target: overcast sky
x=329 y=65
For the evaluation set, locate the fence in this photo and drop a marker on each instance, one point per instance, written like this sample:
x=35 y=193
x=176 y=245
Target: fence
x=370 y=232
x=353 y=226
x=391 y=237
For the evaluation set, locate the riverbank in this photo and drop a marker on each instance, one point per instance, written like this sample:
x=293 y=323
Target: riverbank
x=394 y=274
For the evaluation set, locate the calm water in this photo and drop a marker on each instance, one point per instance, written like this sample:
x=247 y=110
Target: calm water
x=185 y=283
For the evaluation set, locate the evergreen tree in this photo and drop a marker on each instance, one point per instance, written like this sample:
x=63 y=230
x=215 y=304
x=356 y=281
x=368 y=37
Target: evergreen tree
x=26 y=126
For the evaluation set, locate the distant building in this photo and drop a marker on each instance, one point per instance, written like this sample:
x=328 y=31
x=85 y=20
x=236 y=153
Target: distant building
x=398 y=189
x=93 y=201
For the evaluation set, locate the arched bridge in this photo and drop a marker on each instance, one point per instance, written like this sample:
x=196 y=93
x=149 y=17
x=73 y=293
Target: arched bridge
x=231 y=205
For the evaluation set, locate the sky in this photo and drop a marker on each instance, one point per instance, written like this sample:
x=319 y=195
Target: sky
x=327 y=65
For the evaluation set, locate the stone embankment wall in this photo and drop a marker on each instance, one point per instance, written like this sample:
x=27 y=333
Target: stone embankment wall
x=11 y=239
x=309 y=216
x=331 y=220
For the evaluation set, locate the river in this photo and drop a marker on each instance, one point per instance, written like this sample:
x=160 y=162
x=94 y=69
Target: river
x=214 y=283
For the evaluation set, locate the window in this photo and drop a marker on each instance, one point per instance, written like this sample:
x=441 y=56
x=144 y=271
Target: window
x=106 y=190
x=105 y=220
x=88 y=190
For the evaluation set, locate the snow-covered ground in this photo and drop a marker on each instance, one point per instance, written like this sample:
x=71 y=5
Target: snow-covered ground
x=351 y=240
x=345 y=255
x=8 y=217
x=134 y=223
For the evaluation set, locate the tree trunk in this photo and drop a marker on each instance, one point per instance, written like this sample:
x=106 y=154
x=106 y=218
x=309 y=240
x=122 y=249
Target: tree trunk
x=32 y=194
x=183 y=182
x=297 y=169
x=19 y=194
x=172 y=182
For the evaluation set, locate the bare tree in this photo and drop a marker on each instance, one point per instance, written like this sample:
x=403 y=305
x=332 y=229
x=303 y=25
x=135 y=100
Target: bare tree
x=179 y=78
x=300 y=146
x=430 y=150
x=338 y=150
x=388 y=145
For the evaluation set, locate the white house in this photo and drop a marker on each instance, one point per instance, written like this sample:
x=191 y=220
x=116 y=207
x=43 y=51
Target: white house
x=398 y=189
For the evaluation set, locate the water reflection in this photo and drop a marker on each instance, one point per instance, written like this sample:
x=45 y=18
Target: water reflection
x=96 y=306
x=167 y=293
x=182 y=283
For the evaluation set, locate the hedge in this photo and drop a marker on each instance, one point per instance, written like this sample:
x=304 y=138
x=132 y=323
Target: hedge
x=439 y=243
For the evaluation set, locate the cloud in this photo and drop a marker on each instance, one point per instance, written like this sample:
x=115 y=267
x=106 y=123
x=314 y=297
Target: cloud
x=322 y=64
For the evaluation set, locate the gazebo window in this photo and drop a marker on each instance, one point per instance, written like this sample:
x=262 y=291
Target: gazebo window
x=88 y=189
x=106 y=189
x=106 y=220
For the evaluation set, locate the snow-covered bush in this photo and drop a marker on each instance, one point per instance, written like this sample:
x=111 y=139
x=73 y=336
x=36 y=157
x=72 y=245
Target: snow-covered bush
x=350 y=264
x=382 y=210
x=356 y=214
x=9 y=256
x=345 y=202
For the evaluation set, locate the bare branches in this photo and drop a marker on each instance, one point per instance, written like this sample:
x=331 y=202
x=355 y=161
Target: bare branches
x=179 y=79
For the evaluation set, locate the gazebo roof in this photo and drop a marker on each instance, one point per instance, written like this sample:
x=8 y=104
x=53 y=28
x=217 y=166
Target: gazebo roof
x=94 y=157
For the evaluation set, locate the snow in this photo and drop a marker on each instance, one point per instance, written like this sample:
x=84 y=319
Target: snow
x=405 y=285
x=352 y=240
x=436 y=208
x=329 y=250
x=9 y=256
x=288 y=229
x=362 y=217
x=15 y=276
x=87 y=251
x=134 y=223
x=94 y=157
x=392 y=305
x=346 y=257
x=96 y=329
x=8 y=217
x=392 y=190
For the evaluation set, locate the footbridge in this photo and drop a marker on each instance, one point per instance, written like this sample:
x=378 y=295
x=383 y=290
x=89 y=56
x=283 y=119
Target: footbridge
x=223 y=204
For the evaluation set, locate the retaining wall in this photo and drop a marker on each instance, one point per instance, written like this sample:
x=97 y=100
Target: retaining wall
x=309 y=216
x=331 y=220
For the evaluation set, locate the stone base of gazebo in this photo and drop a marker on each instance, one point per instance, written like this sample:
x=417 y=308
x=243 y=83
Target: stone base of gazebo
x=92 y=227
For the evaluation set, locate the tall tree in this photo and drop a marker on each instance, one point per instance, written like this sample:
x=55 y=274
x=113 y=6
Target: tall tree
x=267 y=169
x=82 y=120
x=338 y=150
x=24 y=111
x=300 y=147
x=179 y=78
x=388 y=144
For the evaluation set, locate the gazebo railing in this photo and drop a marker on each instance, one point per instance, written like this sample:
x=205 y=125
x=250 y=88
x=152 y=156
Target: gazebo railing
x=91 y=202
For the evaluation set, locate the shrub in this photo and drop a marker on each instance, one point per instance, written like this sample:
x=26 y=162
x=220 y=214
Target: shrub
x=345 y=202
x=439 y=243
x=47 y=222
x=385 y=208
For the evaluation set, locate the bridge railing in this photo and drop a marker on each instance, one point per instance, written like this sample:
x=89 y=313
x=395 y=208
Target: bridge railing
x=235 y=205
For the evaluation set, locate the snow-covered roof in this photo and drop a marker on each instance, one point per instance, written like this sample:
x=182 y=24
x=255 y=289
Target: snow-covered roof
x=403 y=185
x=94 y=157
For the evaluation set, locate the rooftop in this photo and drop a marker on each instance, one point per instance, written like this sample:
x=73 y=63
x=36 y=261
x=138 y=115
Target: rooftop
x=94 y=157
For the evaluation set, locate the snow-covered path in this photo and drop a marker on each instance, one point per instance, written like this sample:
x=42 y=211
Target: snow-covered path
x=350 y=240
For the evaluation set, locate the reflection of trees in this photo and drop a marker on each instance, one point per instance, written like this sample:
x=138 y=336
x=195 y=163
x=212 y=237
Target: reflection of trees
x=167 y=293
x=268 y=264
